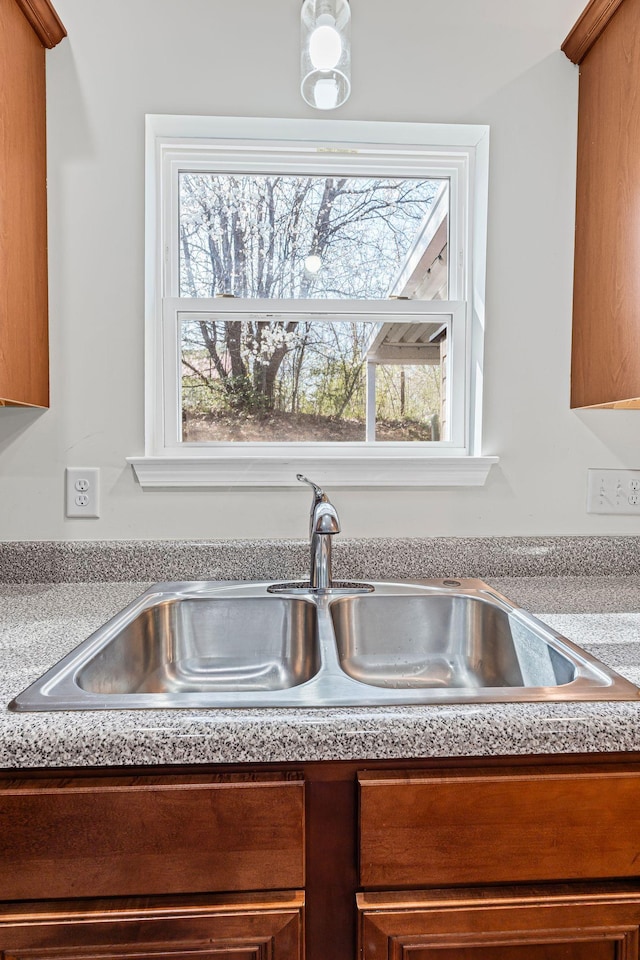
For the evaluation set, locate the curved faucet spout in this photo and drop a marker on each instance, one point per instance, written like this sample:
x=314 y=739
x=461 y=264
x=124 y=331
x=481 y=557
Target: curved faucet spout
x=324 y=524
x=324 y=519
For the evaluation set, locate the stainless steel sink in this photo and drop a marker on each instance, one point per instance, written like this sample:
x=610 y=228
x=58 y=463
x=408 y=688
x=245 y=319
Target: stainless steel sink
x=208 y=644
x=220 y=644
x=445 y=642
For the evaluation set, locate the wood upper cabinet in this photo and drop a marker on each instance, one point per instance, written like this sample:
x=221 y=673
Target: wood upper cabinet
x=26 y=28
x=605 y=363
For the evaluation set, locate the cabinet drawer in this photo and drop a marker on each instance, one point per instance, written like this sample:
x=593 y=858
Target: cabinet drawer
x=121 y=837
x=421 y=829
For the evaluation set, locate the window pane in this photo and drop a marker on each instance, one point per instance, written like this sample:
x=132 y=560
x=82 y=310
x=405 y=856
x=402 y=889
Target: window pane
x=310 y=380
x=409 y=402
x=287 y=237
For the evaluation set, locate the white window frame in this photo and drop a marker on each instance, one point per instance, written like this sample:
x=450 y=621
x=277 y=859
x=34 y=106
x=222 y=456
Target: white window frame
x=458 y=153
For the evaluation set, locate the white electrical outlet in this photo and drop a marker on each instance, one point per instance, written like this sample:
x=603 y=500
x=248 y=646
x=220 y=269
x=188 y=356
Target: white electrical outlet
x=83 y=492
x=613 y=491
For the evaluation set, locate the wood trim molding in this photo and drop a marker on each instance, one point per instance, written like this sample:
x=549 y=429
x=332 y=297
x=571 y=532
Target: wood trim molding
x=45 y=21
x=376 y=470
x=589 y=26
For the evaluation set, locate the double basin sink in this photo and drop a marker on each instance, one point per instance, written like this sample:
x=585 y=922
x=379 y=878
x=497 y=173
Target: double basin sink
x=221 y=644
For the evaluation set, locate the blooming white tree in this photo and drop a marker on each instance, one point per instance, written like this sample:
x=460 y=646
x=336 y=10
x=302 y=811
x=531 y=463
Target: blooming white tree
x=253 y=236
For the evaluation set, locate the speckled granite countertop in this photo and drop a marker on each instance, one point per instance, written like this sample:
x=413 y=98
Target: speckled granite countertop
x=39 y=622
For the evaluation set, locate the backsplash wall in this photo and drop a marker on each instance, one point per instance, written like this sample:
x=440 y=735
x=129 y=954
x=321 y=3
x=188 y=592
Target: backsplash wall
x=416 y=60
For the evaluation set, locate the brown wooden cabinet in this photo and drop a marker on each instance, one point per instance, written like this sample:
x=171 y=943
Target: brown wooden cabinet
x=460 y=835
x=226 y=851
x=26 y=28
x=140 y=836
x=512 y=825
x=516 y=859
x=605 y=364
x=504 y=925
x=241 y=928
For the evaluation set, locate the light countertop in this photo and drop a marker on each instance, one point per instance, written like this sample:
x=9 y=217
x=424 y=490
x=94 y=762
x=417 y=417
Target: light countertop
x=40 y=622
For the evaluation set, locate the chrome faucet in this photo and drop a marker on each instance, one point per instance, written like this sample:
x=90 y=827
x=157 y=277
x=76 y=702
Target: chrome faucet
x=324 y=523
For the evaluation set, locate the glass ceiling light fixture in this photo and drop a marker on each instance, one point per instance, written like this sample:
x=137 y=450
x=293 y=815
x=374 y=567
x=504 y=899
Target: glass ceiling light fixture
x=326 y=53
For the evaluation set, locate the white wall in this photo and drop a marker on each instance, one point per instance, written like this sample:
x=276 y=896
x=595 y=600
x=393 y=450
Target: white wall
x=495 y=62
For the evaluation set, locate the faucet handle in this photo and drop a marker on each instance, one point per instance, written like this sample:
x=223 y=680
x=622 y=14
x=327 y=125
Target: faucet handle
x=318 y=494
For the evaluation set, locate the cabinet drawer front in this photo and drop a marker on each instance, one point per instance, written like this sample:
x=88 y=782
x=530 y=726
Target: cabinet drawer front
x=146 y=837
x=237 y=927
x=552 y=925
x=426 y=830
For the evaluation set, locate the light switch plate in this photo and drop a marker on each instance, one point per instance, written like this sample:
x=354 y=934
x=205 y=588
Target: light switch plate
x=83 y=492
x=614 y=491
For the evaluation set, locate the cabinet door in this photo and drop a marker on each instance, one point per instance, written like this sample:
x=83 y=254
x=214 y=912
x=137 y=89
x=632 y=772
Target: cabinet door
x=605 y=364
x=245 y=928
x=566 y=925
x=24 y=356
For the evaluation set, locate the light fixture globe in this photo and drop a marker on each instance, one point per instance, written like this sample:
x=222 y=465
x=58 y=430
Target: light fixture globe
x=325 y=53
x=325 y=46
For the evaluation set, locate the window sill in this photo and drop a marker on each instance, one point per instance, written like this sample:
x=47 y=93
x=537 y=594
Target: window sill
x=338 y=471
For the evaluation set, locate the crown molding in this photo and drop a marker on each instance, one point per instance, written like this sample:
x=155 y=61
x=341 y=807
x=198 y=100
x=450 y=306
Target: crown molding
x=45 y=21
x=589 y=26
